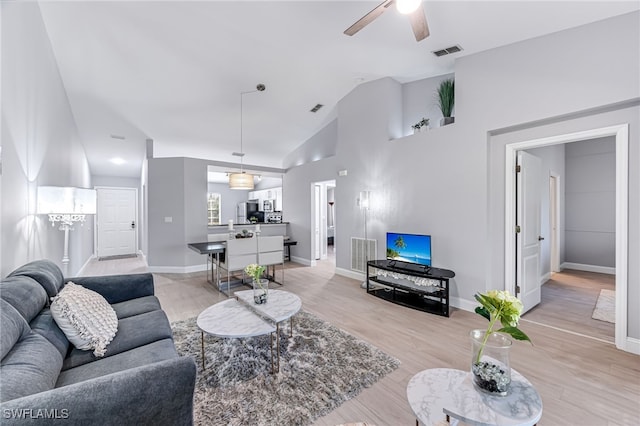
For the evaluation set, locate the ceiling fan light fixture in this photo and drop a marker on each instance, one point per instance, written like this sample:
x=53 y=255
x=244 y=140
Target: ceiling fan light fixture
x=407 y=6
x=241 y=180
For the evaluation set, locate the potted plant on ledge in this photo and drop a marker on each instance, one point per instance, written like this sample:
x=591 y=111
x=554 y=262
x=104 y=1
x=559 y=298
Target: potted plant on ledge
x=421 y=126
x=446 y=100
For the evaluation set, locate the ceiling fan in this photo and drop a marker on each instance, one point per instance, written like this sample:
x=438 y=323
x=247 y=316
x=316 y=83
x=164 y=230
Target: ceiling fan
x=413 y=8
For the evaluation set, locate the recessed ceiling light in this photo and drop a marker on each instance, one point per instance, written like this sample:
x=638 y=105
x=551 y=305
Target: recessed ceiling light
x=117 y=160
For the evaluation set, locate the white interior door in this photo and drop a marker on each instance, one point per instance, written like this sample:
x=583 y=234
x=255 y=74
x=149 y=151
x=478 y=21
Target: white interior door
x=116 y=221
x=528 y=182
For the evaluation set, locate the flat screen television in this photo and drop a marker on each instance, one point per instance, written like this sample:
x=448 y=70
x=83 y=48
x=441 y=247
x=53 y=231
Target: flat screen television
x=410 y=248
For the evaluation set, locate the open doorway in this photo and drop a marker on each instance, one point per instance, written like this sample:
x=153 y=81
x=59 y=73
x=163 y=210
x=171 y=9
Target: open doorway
x=577 y=237
x=620 y=135
x=323 y=230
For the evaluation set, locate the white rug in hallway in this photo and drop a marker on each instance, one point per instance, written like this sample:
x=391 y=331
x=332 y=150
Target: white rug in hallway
x=605 y=309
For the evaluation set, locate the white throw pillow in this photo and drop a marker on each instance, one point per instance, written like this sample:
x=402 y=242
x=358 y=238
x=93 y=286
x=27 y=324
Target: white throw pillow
x=85 y=317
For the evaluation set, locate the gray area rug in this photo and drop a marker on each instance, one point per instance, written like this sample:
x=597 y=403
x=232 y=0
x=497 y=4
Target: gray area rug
x=605 y=309
x=321 y=367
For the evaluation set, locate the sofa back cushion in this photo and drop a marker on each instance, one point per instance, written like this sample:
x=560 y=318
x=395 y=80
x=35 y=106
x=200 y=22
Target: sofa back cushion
x=14 y=327
x=45 y=326
x=29 y=364
x=24 y=294
x=45 y=272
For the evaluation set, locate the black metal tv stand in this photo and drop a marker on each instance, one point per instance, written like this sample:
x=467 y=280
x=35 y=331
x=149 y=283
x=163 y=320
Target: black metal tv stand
x=416 y=286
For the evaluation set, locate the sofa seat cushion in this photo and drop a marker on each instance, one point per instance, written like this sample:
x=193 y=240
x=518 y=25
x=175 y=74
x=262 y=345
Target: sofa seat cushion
x=32 y=366
x=85 y=317
x=133 y=332
x=45 y=325
x=137 y=306
x=153 y=352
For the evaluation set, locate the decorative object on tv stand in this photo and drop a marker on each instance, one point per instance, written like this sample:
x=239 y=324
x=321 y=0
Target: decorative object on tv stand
x=446 y=100
x=260 y=285
x=243 y=180
x=490 y=364
x=421 y=126
x=66 y=206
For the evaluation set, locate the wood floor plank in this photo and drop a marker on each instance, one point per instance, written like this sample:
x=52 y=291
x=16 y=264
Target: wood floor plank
x=581 y=381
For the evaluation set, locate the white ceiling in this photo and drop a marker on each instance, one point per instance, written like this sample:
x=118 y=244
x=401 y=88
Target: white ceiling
x=173 y=71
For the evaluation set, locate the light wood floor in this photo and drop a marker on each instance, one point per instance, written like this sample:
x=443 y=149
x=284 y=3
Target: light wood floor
x=581 y=381
x=568 y=299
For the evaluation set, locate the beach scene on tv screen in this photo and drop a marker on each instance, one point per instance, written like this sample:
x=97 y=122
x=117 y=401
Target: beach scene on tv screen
x=409 y=248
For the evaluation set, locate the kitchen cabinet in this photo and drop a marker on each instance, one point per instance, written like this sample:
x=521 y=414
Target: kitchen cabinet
x=267 y=194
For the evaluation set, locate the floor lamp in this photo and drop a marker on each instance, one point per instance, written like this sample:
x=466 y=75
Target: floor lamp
x=66 y=206
x=364 y=201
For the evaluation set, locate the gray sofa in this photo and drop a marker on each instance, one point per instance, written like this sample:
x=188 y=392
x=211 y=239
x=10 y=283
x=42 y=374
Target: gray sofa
x=141 y=379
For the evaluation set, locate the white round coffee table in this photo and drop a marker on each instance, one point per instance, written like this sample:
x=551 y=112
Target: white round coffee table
x=241 y=317
x=281 y=306
x=232 y=319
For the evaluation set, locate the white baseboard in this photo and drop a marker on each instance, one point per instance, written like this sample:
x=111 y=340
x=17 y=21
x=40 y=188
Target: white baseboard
x=177 y=269
x=350 y=274
x=301 y=260
x=464 y=304
x=546 y=277
x=588 y=268
x=86 y=263
x=632 y=345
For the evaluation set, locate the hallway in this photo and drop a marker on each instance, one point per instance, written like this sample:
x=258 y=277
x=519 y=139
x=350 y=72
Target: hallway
x=568 y=299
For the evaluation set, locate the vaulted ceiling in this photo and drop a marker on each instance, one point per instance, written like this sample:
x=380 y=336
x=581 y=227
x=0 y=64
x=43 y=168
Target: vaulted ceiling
x=173 y=71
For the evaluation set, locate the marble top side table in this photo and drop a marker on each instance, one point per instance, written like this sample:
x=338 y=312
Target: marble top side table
x=441 y=393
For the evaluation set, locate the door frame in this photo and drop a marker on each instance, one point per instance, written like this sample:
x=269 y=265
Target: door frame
x=554 y=217
x=136 y=213
x=621 y=134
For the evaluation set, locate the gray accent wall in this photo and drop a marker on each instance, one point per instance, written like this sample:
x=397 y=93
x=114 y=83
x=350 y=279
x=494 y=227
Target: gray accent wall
x=229 y=199
x=450 y=182
x=177 y=189
x=591 y=202
x=40 y=145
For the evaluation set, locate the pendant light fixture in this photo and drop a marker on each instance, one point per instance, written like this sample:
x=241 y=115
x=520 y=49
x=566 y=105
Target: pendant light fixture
x=243 y=180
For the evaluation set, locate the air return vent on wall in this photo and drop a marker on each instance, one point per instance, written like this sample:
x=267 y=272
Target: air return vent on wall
x=359 y=254
x=316 y=108
x=447 y=51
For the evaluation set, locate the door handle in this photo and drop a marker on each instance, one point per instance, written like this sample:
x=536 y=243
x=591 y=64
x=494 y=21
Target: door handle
x=540 y=238
x=133 y=224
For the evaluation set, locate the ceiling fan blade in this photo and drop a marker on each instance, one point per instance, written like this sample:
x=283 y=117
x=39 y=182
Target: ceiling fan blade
x=419 y=24
x=368 y=18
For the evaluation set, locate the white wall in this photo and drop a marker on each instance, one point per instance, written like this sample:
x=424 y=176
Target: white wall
x=420 y=100
x=40 y=144
x=449 y=182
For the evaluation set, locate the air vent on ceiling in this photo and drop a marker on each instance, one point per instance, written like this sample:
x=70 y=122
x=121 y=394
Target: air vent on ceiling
x=316 y=108
x=447 y=51
x=118 y=137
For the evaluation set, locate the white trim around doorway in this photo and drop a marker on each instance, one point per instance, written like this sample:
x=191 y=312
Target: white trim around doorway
x=621 y=134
